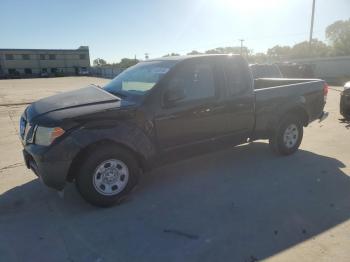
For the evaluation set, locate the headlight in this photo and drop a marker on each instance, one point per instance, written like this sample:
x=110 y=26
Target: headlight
x=44 y=136
x=347 y=86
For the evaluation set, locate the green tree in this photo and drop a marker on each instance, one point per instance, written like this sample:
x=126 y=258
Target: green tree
x=318 y=49
x=194 y=52
x=230 y=50
x=300 y=50
x=127 y=62
x=260 y=58
x=279 y=52
x=99 y=62
x=338 y=34
x=172 y=54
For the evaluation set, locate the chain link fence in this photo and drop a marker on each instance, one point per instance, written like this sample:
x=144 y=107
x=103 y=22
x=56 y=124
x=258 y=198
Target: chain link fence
x=106 y=71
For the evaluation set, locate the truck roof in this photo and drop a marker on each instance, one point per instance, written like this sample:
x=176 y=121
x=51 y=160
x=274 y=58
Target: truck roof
x=187 y=57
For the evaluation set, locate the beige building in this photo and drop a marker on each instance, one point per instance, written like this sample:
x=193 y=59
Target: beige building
x=335 y=70
x=43 y=62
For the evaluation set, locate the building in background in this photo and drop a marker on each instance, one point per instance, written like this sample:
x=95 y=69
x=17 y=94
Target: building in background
x=44 y=62
x=335 y=70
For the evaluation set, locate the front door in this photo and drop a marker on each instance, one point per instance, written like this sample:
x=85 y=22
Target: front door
x=196 y=118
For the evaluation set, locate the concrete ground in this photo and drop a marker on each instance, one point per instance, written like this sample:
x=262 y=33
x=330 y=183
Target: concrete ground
x=242 y=204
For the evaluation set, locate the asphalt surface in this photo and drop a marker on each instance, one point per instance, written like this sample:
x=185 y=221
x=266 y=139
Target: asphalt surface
x=241 y=204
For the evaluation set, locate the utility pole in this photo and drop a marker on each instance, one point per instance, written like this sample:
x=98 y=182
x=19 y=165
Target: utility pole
x=312 y=23
x=242 y=40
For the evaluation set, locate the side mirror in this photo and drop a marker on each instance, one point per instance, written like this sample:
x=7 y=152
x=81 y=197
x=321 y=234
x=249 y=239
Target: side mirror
x=174 y=94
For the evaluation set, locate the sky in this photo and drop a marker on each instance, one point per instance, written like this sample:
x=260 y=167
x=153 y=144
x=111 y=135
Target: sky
x=117 y=29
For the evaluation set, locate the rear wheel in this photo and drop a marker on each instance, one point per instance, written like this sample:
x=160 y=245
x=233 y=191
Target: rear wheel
x=107 y=175
x=287 y=137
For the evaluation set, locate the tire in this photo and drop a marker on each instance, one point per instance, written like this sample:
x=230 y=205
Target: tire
x=347 y=115
x=107 y=175
x=287 y=138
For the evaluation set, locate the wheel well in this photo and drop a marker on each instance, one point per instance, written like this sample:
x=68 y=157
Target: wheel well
x=300 y=113
x=79 y=158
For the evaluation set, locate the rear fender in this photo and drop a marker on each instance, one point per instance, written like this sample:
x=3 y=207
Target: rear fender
x=268 y=118
x=297 y=109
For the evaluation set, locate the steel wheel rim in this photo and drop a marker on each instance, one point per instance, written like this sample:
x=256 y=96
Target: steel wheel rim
x=110 y=177
x=291 y=136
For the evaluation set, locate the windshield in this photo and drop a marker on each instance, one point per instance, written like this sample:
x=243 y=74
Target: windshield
x=140 y=78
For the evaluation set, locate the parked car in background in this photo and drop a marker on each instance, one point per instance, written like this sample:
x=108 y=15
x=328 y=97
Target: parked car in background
x=345 y=101
x=44 y=74
x=294 y=70
x=265 y=71
x=13 y=74
x=102 y=138
x=84 y=72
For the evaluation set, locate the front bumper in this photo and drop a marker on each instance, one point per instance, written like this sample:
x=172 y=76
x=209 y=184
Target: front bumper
x=51 y=164
x=345 y=105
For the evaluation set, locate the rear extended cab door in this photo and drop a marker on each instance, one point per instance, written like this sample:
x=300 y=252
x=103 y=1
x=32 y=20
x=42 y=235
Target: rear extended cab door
x=238 y=98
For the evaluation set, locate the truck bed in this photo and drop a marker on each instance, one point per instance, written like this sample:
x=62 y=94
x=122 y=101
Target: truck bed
x=274 y=97
x=262 y=83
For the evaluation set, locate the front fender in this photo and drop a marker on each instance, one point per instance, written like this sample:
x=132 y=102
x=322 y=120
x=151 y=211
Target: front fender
x=126 y=134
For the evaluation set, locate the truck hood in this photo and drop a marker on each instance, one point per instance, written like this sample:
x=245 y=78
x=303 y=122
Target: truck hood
x=70 y=101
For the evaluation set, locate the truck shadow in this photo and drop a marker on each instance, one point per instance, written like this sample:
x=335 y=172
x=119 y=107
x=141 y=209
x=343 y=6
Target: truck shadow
x=243 y=204
x=345 y=122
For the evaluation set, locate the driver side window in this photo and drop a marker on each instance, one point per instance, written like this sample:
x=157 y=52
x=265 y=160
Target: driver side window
x=196 y=80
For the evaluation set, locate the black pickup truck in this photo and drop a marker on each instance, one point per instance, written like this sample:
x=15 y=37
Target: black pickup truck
x=103 y=138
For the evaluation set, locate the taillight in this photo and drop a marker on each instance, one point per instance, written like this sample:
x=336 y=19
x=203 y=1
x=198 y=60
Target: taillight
x=325 y=91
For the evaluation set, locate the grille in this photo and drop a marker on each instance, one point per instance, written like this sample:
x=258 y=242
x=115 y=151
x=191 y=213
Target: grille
x=22 y=127
x=26 y=131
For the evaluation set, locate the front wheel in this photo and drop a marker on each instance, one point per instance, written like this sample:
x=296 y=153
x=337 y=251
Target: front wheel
x=107 y=175
x=287 y=137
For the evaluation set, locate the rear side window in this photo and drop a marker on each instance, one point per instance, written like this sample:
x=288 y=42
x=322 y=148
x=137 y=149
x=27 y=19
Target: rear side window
x=197 y=79
x=265 y=71
x=238 y=79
